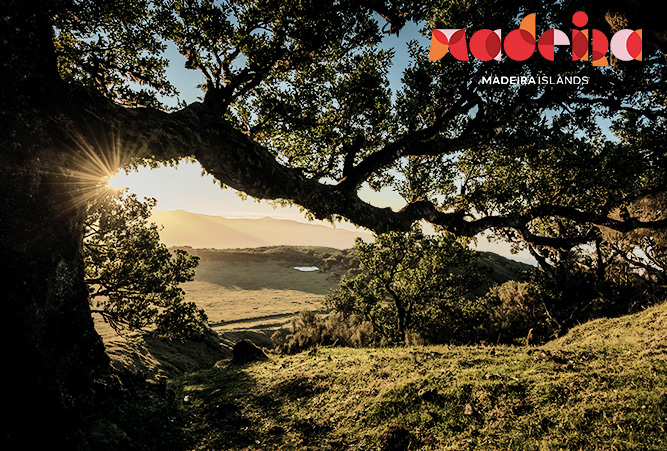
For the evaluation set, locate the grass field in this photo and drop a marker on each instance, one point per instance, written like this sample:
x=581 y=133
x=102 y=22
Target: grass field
x=246 y=293
x=601 y=387
x=243 y=292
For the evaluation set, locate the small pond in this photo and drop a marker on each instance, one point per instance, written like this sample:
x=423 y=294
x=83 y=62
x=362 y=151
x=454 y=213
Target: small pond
x=306 y=268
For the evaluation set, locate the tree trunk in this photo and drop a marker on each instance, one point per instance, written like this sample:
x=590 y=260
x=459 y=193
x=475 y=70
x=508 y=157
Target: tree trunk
x=50 y=352
x=49 y=345
x=401 y=314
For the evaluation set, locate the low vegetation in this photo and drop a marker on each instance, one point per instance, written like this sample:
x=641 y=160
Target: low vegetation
x=418 y=289
x=602 y=386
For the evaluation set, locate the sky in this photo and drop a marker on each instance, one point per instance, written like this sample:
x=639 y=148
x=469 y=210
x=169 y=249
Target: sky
x=185 y=188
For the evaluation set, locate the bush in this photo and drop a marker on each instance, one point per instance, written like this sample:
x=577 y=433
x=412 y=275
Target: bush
x=550 y=302
x=514 y=313
x=310 y=331
x=133 y=279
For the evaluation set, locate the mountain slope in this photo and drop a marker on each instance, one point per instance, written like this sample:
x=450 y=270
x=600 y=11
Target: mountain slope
x=182 y=228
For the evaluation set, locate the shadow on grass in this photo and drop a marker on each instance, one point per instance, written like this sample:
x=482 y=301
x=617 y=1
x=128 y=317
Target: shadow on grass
x=239 y=411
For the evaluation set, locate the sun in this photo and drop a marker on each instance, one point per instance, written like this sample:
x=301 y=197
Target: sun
x=115 y=181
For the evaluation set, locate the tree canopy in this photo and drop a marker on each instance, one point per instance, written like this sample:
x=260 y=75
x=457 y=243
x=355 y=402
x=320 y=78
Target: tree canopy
x=296 y=94
x=297 y=106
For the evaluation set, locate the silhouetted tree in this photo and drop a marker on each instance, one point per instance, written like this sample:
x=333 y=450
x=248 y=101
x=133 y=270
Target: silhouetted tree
x=132 y=278
x=296 y=106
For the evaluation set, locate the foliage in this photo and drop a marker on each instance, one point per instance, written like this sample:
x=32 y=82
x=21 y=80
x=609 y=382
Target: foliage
x=621 y=273
x=544 y=166
x=542 y=163
x=411 y=285
x=310 y=331
x=637 y=260
x=515 y=313
x=544 y=307
x=133 y=279
x=551 y=301
x=114 y=48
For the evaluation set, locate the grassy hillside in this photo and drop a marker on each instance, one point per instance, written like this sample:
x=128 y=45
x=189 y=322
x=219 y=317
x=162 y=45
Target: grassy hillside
x=601 y=387
x=249 y=293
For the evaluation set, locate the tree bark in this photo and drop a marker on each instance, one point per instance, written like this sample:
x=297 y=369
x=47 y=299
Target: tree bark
x=48 y=340
x=51 y=353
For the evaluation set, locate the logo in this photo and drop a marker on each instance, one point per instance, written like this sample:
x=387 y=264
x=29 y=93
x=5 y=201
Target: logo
x=519 y=44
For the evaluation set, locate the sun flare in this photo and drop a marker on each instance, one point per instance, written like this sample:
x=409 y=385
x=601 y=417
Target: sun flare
x=99 y=156
x=115 y=181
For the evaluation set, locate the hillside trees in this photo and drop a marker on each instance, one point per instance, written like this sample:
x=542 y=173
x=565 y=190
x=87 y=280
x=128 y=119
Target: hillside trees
x=411 y=286
x=296 y=106
x=133 y=279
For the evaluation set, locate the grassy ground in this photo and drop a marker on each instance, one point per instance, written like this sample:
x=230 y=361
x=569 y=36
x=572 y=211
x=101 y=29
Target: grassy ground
x=246 y=293
x=601 y=387
x=258 y=288
x=243 y=292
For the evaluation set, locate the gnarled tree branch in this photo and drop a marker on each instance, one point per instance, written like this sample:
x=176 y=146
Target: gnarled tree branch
x=237 y=161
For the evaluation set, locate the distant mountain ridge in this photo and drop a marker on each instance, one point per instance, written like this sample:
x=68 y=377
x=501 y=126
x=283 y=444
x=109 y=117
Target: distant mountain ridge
x=183 y=228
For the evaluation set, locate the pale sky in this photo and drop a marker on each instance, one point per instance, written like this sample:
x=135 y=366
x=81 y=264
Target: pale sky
x=185 y=188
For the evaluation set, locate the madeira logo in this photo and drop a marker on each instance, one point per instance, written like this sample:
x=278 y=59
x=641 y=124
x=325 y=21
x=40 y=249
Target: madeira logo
x=519 y=45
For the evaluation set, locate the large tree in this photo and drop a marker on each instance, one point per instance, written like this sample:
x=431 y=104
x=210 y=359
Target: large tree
x=297 y=106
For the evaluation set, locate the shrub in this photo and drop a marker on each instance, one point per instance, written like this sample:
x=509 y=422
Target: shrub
x=133 y=279
x=310 y=331
x=514 y=312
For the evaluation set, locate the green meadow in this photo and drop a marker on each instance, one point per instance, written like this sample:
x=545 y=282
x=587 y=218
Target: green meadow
x=601 y=387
